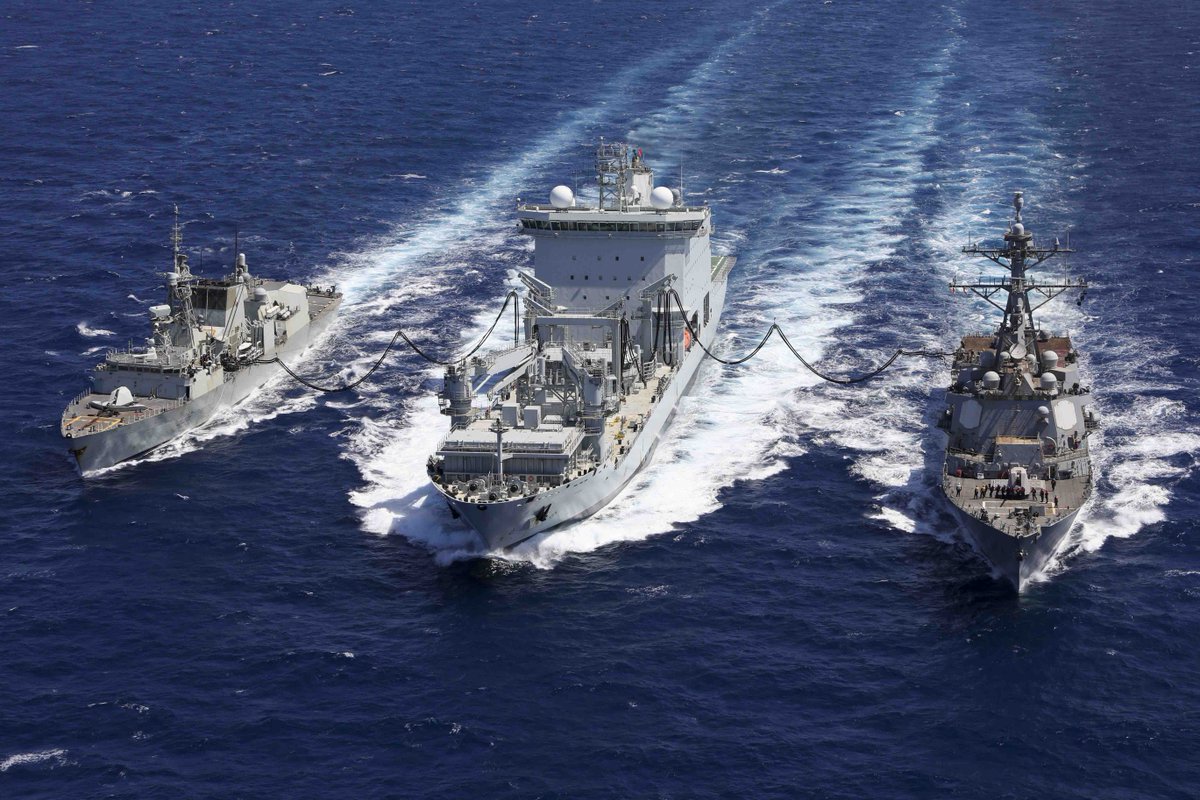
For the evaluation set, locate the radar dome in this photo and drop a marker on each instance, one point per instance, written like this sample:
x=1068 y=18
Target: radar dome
x=1044 y=411
x=562 y=197
x=1049 y=381
x=1050 y=359
x=991 y=380
x=1018 y=229
x=662 y=198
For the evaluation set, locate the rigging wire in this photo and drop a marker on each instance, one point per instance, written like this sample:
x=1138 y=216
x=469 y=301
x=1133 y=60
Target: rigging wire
x=662 y=329
x=511 y=297
x=775 y=329
x=627 y=347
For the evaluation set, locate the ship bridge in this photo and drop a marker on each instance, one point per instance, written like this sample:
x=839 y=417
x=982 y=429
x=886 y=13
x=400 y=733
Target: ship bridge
x=611 y=257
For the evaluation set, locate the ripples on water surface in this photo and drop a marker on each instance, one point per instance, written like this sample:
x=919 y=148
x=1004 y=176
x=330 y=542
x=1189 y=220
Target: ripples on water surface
x=779 y=605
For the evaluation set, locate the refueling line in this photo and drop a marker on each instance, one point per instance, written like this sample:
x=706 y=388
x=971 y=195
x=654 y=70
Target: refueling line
x=512 y=296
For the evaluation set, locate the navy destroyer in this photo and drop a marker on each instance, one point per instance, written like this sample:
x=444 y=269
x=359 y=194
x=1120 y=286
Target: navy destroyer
x=213 y=344
x=1017 y=469
x=549 y=430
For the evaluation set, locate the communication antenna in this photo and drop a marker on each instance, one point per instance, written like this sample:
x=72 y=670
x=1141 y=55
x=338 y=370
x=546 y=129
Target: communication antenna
x=176 y=235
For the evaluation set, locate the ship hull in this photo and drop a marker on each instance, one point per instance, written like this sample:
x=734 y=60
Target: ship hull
x=1016 y=559
x=97 y=451
x=510 y=522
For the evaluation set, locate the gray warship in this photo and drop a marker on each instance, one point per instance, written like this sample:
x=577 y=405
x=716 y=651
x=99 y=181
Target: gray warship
x=212 y=345
x=1017 y=469
x=550 y=430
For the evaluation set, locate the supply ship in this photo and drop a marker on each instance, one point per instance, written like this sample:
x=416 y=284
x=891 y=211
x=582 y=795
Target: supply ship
x=1017 y=468
x=213 y=344
x=550 y=430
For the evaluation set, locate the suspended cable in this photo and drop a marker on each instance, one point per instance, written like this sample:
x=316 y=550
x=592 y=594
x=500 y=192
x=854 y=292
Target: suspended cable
x=511 y=297
x=662 y=329
x=775 y=329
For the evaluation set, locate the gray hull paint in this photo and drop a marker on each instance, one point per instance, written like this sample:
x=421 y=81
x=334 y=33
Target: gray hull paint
x=509 y=522
x=108 y=448
x=1016 y=559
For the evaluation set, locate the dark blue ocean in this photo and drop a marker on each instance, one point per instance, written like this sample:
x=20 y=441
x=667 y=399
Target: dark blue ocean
x=780 y=606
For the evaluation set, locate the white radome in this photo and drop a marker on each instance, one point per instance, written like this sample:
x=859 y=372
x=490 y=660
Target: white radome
x=662 y=198
x=562 y=197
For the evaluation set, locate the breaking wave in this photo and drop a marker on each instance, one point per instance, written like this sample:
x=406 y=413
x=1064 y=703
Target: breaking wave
x=265 y=404
x=85 y=330
x=55 y=758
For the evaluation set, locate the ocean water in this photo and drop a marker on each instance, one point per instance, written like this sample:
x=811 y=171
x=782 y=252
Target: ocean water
x=780 y=606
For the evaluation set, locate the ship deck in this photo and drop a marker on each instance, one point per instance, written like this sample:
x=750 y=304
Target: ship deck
x=622 y=428
x=1063 y=497
x=320 y=301
x=1059 y=344
x=81 y=419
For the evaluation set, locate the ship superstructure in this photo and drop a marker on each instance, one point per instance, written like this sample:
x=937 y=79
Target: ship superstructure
x=208 y=347
x=549 y=430
x=1017 y=468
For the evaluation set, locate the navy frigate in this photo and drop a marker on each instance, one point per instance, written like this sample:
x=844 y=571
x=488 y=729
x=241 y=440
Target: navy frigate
x=549 y=430
x=213 y=344
x=1017 y=469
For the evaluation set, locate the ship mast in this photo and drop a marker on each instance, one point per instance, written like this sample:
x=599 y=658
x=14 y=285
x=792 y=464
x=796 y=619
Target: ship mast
x=179 y=282
x=1018 y=256
x=612 y=159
